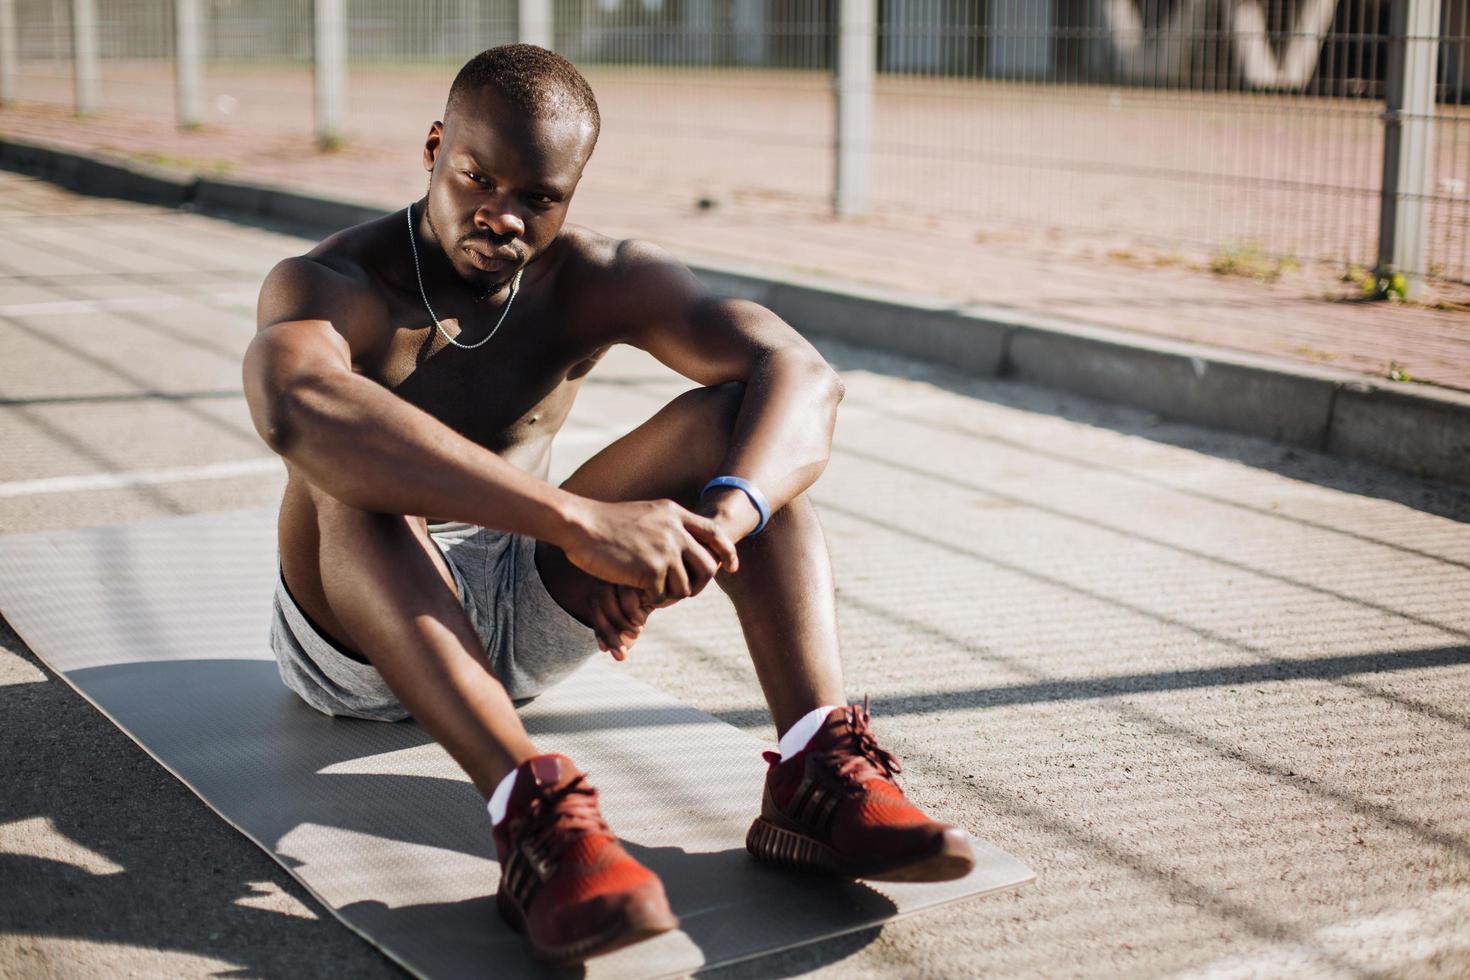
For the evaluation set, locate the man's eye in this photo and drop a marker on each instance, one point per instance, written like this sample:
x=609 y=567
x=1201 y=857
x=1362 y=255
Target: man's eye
x=475 y=177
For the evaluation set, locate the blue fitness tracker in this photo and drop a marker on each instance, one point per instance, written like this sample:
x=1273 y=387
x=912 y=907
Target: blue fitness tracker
x=757 y=499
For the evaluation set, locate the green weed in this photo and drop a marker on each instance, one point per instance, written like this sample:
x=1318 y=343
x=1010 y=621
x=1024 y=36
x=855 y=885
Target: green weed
x=1251 y=262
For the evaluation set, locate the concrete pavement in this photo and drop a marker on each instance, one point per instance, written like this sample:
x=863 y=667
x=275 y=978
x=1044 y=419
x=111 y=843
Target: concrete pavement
x=1212 y=689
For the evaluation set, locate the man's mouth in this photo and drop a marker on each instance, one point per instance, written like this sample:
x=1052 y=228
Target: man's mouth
x=492 y=260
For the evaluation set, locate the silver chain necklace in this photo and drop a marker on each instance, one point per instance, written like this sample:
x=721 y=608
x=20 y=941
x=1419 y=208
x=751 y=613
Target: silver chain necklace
x=515 y=287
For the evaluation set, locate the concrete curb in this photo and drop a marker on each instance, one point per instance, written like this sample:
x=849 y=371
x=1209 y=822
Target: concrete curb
x=99 y=175
x=1412 y=428
x=262 y=202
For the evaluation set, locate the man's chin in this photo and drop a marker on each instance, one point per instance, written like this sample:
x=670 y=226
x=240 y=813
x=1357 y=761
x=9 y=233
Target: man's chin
x=486 y=285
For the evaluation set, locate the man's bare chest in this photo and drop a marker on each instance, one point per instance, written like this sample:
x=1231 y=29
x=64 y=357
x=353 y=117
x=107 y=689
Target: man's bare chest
x=516 y=388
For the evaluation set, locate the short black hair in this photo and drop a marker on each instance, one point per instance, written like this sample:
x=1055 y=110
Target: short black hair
x=539 y=82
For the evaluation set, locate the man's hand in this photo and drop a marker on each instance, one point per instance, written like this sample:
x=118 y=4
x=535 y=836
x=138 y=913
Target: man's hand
x=733 y=516
x=654 y=546
x=619 y=612
x=618 y=615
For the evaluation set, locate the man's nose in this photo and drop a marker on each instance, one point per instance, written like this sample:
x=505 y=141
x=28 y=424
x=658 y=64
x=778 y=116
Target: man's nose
x=497 y=218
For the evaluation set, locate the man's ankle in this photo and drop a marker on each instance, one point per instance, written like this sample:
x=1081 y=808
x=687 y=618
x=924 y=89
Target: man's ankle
x=500 y=798
x=799 y=734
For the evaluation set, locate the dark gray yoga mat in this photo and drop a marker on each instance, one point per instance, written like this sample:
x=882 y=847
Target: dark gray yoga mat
x=162 y=625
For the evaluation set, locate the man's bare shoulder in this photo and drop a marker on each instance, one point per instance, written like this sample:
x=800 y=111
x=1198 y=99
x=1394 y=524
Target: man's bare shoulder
x=581 y=252
x=593 y=252
x=645 y=278
x=336 y=282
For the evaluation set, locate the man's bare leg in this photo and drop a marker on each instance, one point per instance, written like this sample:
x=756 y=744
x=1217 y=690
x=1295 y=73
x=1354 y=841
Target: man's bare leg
x=783 y=593
x=785 y=598
x=386 y=586
x=388 y=589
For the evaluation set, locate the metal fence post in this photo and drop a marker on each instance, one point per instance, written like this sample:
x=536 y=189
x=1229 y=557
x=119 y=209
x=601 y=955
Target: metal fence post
x=188 y=62
x=329 y=65
x=1020 y=39
x=1408 y=143
x=534 y=23
x=84 y=55
x=9 y=54
x=699 y=32
x=857 y=56
x=750 y=32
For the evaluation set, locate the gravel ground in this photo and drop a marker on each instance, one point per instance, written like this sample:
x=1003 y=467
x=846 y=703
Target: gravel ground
x=1211 y=689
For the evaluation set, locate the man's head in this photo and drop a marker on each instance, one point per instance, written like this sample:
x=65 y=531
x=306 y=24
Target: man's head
x=519 y=125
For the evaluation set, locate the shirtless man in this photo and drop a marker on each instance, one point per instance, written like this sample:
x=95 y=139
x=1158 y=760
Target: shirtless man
x=413 y=371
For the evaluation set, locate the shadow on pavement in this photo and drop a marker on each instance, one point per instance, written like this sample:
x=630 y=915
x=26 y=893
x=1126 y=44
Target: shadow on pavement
x=170 y=894
x=186 y=884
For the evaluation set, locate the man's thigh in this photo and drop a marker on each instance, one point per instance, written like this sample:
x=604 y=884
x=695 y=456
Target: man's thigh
x=671 y=455
x=324 y=542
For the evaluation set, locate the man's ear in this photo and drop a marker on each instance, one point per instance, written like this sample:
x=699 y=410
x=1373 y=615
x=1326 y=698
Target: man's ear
x=432 y=144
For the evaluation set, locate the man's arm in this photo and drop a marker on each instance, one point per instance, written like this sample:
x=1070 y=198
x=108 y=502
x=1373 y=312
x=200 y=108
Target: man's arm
x=783 y=434
x=360 y=443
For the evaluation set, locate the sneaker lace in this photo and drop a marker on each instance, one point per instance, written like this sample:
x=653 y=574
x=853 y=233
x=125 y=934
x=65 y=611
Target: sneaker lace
x=860 y=758
x=557 y=818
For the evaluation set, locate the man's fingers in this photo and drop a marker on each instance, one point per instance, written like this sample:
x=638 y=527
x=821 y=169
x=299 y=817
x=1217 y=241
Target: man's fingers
x=707 y=533
x=676 y=585
x=631 y=602
x=617 y=630
x=606 y=635
x=701 y=566
x=607 y=601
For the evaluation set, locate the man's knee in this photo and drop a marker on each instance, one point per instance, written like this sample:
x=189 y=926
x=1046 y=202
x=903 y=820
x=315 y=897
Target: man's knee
x=714 y=405
x=708 y=415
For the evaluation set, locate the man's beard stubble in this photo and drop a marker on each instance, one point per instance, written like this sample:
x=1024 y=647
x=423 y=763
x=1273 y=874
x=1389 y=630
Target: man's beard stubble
x=484 y=289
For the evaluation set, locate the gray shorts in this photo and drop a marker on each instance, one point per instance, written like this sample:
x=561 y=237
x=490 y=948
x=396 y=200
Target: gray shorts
x=531 y=641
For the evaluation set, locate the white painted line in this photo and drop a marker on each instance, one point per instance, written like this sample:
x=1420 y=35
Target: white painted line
x=133 y=478
x=125 y=304
x=68 y=307
x=573 y=433
x=224 y=471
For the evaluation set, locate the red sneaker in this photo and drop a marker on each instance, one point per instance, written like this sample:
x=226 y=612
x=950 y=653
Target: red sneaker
x=835 y=807
x=565 y=881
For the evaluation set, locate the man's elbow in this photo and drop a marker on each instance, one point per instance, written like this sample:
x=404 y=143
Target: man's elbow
x=826 y=381
x=271 y=416
x=281 y=413
x=837 y=390
x=817 y=376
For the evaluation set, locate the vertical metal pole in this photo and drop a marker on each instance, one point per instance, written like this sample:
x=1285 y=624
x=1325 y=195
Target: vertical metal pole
x=188 y=62
x=329 y=63
x=1408 y=143
x=699 y=32
x=750 y=32
x=534 y=23
x=1019 y=42
x=84 y=55
x=9 y=55
x=857 y=55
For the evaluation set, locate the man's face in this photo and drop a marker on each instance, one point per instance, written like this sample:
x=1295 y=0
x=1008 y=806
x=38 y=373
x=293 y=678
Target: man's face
x=499 y=185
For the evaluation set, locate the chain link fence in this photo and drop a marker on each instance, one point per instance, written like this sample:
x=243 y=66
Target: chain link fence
x=1237 y=127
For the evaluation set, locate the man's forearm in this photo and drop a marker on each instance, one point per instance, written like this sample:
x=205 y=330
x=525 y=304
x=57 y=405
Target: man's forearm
x=372 y=450
x=782 y=437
